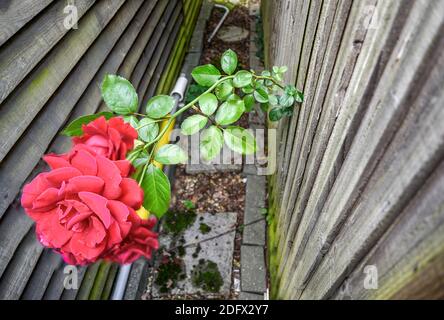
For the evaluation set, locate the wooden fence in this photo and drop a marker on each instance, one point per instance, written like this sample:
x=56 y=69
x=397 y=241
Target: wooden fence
x=50 y=75
x=357 y=202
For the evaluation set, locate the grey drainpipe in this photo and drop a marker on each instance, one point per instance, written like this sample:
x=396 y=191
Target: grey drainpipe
x=177 y=93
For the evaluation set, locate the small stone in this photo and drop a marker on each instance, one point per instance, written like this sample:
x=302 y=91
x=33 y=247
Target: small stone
x=233 y=34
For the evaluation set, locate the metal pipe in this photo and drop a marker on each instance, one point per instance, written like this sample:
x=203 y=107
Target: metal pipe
x=177 y=93
x=227 y=11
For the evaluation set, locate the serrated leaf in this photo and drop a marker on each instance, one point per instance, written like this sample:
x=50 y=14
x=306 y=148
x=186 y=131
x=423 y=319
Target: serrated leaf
x=119 y=94
x=211 y=143
x=224 y=90
x=148 y=129
x=156 y=187
x=206 y=75
x=170 y=154
x=260 y=95
x=193 y=124
x=75 y=127
x=242 y=79
x=159 y=106
x=239 y=140
x=132 y=120
x=248 y=102
x=208 y=103
x=230 y=111
x=228 y=61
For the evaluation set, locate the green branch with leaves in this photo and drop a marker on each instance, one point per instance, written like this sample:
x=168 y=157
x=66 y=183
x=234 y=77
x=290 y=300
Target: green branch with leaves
x=228 y=95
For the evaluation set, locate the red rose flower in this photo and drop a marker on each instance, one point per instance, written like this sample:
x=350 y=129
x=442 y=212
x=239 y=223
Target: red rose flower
x=139 y=242
x=112 y=138
x=84 y=208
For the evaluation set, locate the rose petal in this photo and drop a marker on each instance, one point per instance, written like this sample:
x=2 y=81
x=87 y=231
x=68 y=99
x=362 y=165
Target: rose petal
x=132 y=193
x=98 y=205
x=85 y=183
x=110 y=174
x=57 y=176
x=85 y=162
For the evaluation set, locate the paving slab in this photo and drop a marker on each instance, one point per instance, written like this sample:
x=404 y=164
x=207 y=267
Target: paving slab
x=254 y=198
x=250 y=296
x=219 y=250
x=254 y=234
x=253 y=273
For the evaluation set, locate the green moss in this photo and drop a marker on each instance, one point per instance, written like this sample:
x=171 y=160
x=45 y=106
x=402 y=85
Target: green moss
x=177 y=222
x=181 y=251
x=197 y=251
x=206 y=276
x=169 y=273
x=204 y=228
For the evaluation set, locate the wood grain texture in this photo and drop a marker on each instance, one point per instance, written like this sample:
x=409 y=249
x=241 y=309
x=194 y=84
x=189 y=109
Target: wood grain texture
x=14 y=14
x=366 y=144
x=23 y=105
x=24 y=51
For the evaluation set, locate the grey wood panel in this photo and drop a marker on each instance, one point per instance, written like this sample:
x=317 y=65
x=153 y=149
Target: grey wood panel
x=24 y=103
x=16 y=13
x=19 y=56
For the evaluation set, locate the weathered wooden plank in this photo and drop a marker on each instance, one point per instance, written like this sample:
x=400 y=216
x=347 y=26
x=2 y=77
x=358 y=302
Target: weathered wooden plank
x=43 y=131
x=55 y=286
x=399 y=253
x=19 y=56
x=333 y=80
x=19 y=269
x=141 y=66
x=344 y=128
x=126 y=69
x=414 y=82
x=14 y=226
x=16 y=13
x=161 y=50
x=25 y=155
x=41 y=275
x=317 y=83
x=22 y=106
x=162 y=62
x=71 y=294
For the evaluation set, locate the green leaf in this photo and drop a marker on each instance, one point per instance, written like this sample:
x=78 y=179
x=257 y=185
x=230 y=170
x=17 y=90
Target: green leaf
x=211 y=143
x=260 y=95
x=75 y=127
x=273 y=100
x=242 y=79
x=230 y=111
x=248 y=89
x=119 y=94
x=208 y=103
x=248 y=102
x=290 y=90
x=224 y=90
x=159 y=106
x=286 y=101
x=156 y=187
x=206 y=75
x=299 y=97
x=228 y=61
x=276 y=114
x=171 y=154
x=132 y=120
x=239 y=140
x=148 y=129
x=193 y=124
